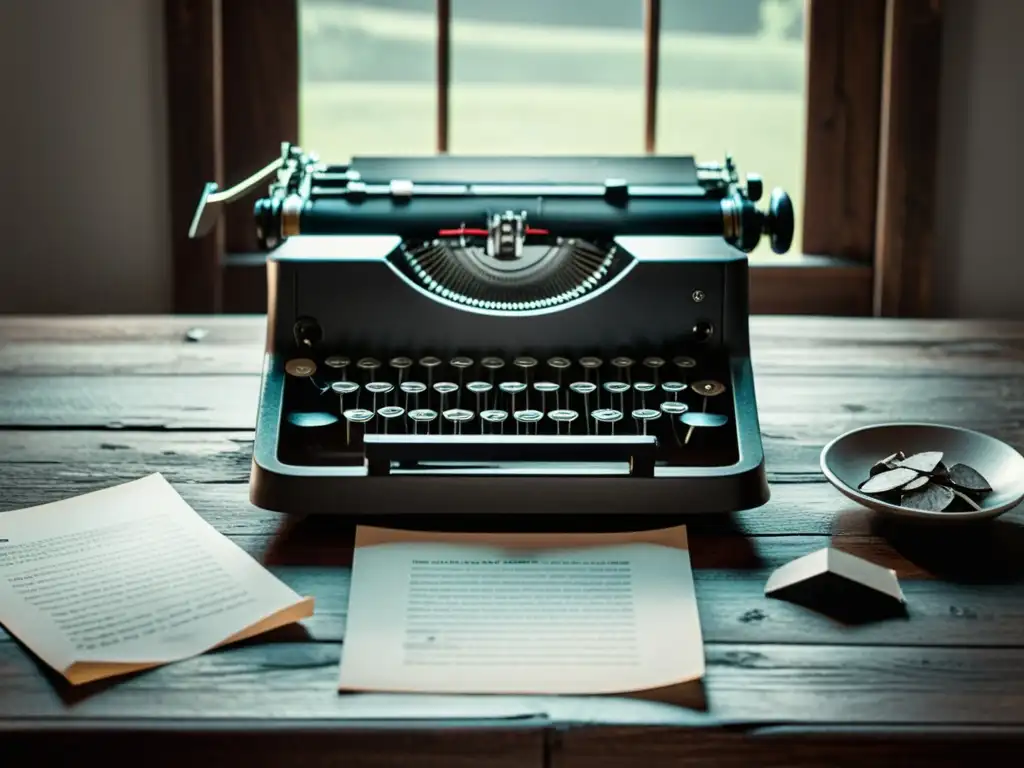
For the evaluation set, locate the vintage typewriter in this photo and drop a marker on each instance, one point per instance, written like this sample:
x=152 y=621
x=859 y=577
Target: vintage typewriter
x=516 y=335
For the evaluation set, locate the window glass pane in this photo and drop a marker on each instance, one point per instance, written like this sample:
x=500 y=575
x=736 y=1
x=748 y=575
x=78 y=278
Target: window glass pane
x=732 y=79
x=547 y=77
x=368 y=77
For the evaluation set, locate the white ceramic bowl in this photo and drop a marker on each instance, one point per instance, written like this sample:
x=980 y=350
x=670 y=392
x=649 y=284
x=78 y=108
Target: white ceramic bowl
x=847 y=460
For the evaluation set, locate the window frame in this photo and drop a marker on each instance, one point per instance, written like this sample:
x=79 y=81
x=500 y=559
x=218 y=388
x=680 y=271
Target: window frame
x=872 y=90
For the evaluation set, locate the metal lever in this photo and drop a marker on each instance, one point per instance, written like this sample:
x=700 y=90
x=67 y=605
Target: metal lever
x=211 y=201
x=381 y=450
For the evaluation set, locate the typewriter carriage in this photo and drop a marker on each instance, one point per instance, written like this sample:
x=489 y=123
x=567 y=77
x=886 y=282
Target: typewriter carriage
x=501 y=259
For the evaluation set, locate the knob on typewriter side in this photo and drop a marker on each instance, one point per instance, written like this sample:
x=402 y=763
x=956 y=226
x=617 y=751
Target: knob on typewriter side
x=779 y=221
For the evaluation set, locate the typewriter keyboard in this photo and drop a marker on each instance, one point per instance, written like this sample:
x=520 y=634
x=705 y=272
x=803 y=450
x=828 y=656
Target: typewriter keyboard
x=332 y=402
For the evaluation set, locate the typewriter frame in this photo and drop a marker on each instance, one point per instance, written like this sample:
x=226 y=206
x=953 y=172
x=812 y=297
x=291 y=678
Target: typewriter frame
x=293 y=488
x=649 y=216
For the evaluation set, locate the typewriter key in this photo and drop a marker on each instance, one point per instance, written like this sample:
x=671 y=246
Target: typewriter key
x=559 y=364
x=492 y=363
x=654 y=363
x=344 y=387
x=673 y=387
x=337 y=361
x=358 y=415
x=314 y=419
x=617 y=388
x=544 y=387
x=585 y=388
x=425 y=415
x=527 y=417
x=694 y=419
x=684 y=362
x=643 y=387
x=430 y=363
x=606 y=416
x=623 y=364
x=355 y=416
x=389 y=412
x=480 y=388
x=458 y=416
x=590 y=362
x=563 y=416
x=412 y=388
x=513 y=388
x=494 y=416
x=643 y=415
x=707 y=389
x=525 y=362
x=378 y=388
x=301 y=367
x=369 y=364
x=401 y=364
x=461 y=363
x=674 y=407
x=445 y=388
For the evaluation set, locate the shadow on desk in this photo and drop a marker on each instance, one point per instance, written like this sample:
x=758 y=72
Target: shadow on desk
x=988 y=552
x=328 y=540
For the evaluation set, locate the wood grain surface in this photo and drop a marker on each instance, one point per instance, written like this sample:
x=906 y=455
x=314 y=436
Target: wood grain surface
x=91 y=402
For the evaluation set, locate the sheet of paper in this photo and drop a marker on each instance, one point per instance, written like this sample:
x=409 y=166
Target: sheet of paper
x=130 y=577
x=521 y=613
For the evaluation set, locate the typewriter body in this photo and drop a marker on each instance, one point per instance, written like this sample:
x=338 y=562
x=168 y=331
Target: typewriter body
x=507 y=335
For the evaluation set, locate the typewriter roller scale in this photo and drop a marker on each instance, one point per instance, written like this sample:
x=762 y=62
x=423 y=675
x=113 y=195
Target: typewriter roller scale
x=522 y=335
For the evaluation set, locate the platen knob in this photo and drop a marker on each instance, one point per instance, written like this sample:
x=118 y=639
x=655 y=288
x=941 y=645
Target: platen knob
x=778 y=224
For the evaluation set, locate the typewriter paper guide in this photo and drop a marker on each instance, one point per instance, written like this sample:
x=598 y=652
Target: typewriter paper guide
x=130 y=577
x=678 y=170
x=521 y=613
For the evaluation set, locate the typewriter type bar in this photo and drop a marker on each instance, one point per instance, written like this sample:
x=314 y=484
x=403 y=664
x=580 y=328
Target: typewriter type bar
x=518 y=198
x=382 y=450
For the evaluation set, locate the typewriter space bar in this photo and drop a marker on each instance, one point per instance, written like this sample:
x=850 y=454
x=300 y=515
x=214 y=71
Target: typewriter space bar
x=382 y=451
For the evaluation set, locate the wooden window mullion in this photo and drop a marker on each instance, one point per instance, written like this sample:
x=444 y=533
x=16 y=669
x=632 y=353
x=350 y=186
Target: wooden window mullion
x=444 y=71
x=652 y=39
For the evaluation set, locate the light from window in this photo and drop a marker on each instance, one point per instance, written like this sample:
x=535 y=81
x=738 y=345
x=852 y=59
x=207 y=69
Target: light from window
x=368 y=77
x=732 y=76
x=551 y=77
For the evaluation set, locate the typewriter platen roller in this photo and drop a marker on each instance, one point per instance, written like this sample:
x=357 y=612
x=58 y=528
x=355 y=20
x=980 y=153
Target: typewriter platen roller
x=514 y=335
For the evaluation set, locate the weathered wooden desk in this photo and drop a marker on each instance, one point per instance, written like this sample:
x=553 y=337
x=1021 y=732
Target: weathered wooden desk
x=87 y=403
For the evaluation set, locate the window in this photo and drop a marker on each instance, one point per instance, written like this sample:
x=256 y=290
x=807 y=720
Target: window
x=819 y=96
